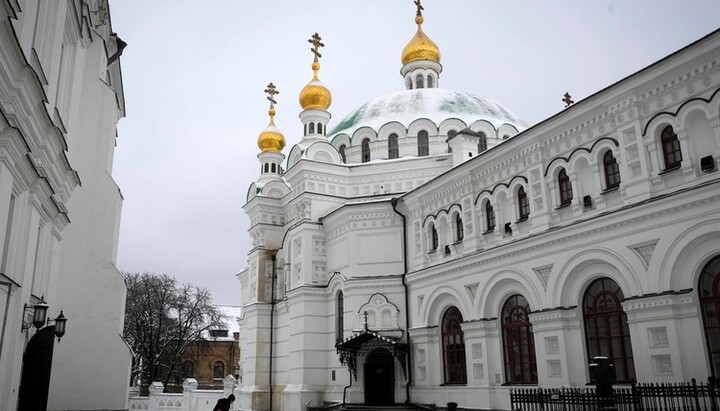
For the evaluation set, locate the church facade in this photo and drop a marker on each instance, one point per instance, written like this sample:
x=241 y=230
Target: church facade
x=61 y=97
x=433 y=248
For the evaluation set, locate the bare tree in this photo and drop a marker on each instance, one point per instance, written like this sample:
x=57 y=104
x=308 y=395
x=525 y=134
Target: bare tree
x=162 y=318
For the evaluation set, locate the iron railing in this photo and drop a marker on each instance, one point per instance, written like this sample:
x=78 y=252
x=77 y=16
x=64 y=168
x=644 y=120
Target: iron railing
x=684 y=396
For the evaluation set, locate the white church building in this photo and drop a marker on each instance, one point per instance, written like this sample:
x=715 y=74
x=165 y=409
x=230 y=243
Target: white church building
x=61 y=96
x=432 y=248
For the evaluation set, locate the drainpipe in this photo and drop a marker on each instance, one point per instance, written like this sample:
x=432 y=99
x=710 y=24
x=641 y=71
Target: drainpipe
x=347 y=386
x=272 y=329
x=394 y=203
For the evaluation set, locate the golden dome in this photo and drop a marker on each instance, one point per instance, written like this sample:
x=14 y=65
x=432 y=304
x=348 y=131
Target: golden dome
x=420 y=47
x=271 y=139
x=315 y=96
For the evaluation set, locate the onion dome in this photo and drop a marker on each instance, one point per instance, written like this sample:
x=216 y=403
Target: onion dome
x=315 y=96
x=271 y=139
x=420 y=46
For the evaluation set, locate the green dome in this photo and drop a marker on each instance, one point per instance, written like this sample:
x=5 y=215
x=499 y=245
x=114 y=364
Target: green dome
x=434 y=104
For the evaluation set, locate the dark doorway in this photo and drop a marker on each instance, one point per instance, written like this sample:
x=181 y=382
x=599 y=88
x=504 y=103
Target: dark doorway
x=37 y=362
x=380 y=378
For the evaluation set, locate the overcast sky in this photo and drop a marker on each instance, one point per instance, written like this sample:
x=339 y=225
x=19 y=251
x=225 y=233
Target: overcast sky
x=194 y=74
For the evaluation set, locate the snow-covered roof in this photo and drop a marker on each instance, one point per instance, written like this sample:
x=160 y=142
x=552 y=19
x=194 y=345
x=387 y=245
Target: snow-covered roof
x=435 y=104
x=231 y=313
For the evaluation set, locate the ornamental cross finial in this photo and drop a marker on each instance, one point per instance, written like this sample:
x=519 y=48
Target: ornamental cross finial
x=271 y=93
x=420 y=8
x=567 y=100
x=365 y=314
x=315 y=40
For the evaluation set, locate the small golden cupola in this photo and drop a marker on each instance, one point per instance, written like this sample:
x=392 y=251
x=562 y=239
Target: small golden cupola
x=271 y=139
x=420 y=46
x=315 y=96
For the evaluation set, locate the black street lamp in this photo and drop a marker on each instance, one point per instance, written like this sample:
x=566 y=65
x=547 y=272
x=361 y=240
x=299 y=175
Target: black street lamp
x=60 y=321
x=39 y=314
x=40 y=318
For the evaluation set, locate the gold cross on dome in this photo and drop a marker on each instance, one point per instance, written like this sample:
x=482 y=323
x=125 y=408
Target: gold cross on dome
x=271 y=93
x=567 y=100
x=315 y=41
x=420 y=8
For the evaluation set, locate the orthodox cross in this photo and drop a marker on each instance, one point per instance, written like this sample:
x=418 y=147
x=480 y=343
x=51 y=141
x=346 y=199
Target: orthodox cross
x=315 y=41
x=271 y=93
x=567 y=100
x=420 y=8
x=365 y=314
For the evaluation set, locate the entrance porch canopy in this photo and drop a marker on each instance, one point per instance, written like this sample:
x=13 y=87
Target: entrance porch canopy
x=365 y=342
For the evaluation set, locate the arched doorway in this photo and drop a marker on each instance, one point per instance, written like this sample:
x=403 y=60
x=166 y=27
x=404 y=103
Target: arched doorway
x=37 y=363
x=709 y=291
x=380 y=378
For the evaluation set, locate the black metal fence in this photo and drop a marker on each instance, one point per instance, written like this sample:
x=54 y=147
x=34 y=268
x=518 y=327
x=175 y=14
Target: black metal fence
x=688 y=396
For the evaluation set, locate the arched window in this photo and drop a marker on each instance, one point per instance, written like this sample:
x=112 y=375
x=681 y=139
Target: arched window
x=670 y=148
x=272 y=168
x=523 y=204
x=565 y=188
x=393 y=151
x=320 y=128
x=365 y=156
x=606 y=328
x=612 y=171
x=518 y=342
x=340 y=315
x=430 y=81
x=218 y=370
x=453 y=346
x=311 y=128
x=709 y=290
x=459 y=229
x=267 y=167
x=482 y=143
x=342 y=153
x=489 y=216
x=305 y=130
x=423 y=143
x=433 y=237
x=419 y=81
x=409 y=83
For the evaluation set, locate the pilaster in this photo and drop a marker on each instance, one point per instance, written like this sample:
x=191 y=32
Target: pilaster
x=483 y=352
x=558 y=347
x=668 y=340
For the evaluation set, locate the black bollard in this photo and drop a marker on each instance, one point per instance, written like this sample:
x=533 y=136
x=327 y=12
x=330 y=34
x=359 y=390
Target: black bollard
x=452 y=406
x=602 y=374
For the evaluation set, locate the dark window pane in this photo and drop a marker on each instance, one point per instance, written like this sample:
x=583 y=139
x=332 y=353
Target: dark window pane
x=606 y=330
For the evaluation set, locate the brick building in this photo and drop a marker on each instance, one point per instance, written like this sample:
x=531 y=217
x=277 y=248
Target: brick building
x=211 y=360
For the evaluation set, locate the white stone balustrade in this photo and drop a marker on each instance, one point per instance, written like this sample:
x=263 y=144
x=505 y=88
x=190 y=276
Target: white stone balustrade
x=191 y=399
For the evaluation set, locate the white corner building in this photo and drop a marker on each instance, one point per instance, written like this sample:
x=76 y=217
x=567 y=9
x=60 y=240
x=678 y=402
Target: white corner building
x=61 y=97
x=432 y=248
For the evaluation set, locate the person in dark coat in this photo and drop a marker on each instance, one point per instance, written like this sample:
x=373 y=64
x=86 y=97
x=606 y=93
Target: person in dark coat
x=224 y=404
